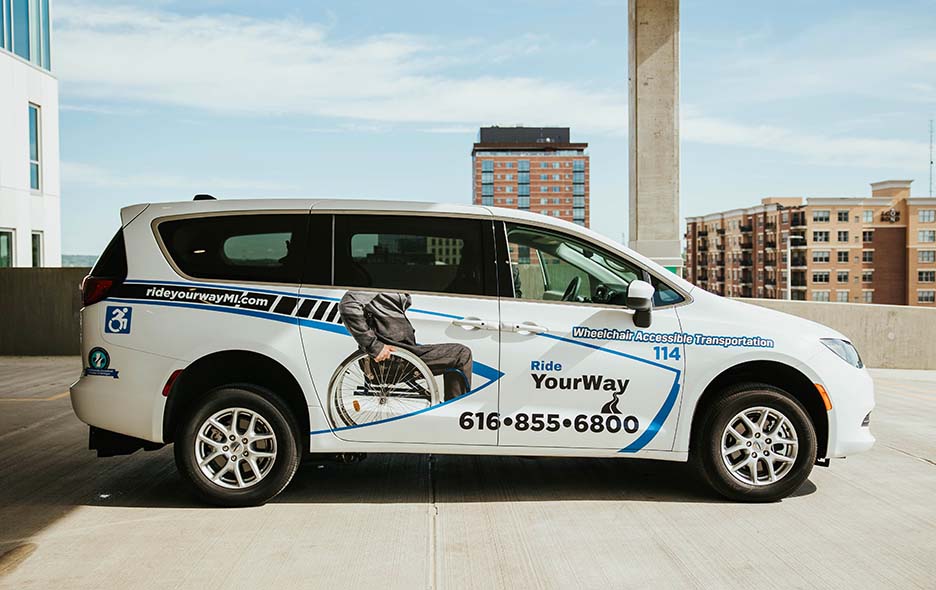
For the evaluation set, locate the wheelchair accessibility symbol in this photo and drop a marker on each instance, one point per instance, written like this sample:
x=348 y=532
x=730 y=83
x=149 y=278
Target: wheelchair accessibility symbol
x=118 y=320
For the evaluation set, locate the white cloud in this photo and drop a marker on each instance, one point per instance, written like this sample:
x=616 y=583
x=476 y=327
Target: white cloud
x=451 y=129
x=808 y=147
x=84 y=174
x=241 y=65
x=99 y=109
x=886 y=55
x=287 y=66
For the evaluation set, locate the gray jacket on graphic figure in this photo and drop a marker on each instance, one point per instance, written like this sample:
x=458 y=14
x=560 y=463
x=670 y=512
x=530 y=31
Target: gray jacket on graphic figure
x=375 y=319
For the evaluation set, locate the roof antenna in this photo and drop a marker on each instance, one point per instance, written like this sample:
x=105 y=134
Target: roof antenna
x=202 y=197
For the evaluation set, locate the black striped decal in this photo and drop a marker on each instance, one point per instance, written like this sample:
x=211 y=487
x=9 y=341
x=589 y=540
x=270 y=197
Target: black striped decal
x=231 y=297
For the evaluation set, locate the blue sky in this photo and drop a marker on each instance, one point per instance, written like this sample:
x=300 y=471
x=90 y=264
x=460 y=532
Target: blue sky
x=353 y=98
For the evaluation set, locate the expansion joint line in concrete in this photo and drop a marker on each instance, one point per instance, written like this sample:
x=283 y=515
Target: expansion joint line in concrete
x=432 y=582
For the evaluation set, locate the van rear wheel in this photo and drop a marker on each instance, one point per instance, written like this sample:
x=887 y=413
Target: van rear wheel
x=756 y=444
x=236 y=447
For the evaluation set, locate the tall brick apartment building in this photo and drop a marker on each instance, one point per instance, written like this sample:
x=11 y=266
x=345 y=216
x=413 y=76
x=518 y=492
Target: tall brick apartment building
x=880 y=249
x=535 y=169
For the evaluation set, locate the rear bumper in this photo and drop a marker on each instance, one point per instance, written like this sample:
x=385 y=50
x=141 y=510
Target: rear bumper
x=129 y=402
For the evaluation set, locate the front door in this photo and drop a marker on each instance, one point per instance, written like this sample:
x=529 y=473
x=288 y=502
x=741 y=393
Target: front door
x=404 y=341
x=577 y=371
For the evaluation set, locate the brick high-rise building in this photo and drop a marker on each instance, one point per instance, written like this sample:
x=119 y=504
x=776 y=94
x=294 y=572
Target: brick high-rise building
x=880 y=249
x=535 y=169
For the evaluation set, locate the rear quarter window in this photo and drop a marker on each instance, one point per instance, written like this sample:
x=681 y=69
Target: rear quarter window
x=268 y=248
x=113 y=261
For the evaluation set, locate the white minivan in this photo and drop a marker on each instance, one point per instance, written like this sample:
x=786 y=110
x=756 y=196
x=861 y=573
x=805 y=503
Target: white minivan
x=250 y=333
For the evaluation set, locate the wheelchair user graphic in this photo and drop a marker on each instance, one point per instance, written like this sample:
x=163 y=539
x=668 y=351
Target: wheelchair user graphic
x=390 y=374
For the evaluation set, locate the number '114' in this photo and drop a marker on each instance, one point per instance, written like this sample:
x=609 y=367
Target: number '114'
x=666 y=354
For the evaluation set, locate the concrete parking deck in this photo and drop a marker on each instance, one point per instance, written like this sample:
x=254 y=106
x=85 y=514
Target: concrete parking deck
x=70 y=520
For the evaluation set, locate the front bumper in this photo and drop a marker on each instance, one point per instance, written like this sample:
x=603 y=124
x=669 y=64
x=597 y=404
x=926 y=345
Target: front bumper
x=851 y=392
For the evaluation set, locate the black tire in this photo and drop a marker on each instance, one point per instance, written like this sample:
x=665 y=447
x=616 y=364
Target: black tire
x=707 y=442
x=280 y=421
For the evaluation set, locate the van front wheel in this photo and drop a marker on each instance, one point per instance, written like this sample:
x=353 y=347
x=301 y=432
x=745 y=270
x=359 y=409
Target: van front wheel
x=236 y=448
x=756 y=444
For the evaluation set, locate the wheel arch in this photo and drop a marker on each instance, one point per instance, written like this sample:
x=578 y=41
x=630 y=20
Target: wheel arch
x=775 y=373
x=231 y=367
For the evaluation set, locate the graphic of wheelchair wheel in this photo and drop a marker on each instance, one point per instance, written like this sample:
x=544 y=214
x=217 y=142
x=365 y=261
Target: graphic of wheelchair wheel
x=363 y=391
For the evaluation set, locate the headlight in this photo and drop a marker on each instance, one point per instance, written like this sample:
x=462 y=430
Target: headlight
x=845 y=351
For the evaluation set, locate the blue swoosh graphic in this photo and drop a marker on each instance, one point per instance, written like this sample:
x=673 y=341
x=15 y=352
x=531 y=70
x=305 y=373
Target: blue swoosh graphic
x=662 y=414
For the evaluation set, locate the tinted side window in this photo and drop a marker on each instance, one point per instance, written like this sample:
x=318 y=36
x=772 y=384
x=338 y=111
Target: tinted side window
x=412 y=253
x=544 y=265
x=265 y=248
x=550 y=266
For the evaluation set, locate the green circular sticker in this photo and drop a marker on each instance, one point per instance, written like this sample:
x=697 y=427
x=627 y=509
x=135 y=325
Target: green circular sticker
x=98 y=359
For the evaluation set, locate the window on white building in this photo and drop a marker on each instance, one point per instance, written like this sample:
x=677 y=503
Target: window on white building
x=34 y=147
x=37 y=253
x=6 y=249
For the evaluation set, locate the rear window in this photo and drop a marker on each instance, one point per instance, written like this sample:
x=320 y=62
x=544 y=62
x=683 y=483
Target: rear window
x=113 y=261
x=404 y=253
x=267 y=248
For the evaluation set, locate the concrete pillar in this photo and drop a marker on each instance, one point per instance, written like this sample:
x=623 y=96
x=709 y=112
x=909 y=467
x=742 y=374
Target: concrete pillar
x=653 y=73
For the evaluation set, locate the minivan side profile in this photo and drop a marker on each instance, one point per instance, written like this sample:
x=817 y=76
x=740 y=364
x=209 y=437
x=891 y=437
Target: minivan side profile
x=251 y=333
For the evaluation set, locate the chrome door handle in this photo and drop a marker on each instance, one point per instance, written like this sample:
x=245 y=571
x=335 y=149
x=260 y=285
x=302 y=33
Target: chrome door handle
x=527 y=328
x=471 y=323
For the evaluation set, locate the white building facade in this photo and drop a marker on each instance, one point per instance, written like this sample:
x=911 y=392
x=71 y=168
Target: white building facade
x=30 y=225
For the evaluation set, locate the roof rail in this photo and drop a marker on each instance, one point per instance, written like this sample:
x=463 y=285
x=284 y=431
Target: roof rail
x=204 y=198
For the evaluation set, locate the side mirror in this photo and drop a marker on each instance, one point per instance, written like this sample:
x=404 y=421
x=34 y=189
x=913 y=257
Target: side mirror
x=640 y=299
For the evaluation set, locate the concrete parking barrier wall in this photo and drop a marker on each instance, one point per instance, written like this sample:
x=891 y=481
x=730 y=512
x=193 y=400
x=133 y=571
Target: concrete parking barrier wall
x=886 y=336
x=39 y=316
x=39 y=310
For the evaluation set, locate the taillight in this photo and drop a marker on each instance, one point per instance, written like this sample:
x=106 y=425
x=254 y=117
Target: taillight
x=94 y=289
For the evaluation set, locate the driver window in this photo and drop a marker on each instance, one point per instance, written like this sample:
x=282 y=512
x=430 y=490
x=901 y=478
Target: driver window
x=549 y=266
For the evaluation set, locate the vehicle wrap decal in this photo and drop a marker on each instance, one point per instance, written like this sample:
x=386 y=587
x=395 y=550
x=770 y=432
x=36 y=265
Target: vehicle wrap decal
x=321 y=313
x=118 y=292
x=486 y=371
x=664 y=410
